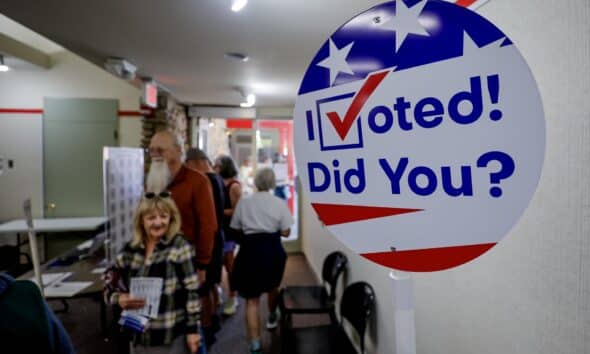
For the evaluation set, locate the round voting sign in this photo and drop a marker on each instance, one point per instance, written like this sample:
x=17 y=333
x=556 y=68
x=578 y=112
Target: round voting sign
x=419 y=134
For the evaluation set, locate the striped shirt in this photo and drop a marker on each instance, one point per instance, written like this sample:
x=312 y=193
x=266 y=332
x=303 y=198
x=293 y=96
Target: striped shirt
x=173 y=261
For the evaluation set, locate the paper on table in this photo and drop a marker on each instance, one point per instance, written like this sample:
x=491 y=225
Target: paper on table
x=85 y=244
x=51 y=278
x=99 y=270
x=150 y=289
x=66 y=289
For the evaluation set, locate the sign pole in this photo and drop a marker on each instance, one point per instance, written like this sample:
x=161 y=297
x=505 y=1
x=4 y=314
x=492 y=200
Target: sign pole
x=33 y=244
x=403 y=304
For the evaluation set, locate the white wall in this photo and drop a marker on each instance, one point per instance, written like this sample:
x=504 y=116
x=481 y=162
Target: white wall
x=531 y=293
x=70 y=77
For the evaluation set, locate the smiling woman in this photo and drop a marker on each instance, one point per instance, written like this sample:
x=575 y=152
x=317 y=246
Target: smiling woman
x=158 y=250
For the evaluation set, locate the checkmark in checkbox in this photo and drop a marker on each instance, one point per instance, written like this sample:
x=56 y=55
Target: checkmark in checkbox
x=343 y=125
x=328 y=136
x=337 y=133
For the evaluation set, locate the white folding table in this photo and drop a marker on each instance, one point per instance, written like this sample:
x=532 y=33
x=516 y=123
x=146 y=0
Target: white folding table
x=45 y=226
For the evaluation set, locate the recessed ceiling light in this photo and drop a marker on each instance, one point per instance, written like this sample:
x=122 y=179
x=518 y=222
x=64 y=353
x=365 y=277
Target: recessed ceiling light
x=237 y=5
x=236 y=56
x=3 y=67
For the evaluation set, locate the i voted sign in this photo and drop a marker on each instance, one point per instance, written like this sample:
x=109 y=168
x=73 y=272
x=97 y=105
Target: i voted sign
x=420 y=134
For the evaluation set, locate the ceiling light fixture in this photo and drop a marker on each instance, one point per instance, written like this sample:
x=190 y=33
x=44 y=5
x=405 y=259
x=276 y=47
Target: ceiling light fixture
x=237 y=5
x=3 y=67
x=250 y=100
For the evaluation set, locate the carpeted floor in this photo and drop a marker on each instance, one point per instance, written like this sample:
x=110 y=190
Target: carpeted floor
x=83 y=325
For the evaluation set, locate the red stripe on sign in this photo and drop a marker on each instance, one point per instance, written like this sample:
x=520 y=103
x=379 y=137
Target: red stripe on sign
x=429 y=259
x=334 y=214
x=465 y=3
x=20 y=111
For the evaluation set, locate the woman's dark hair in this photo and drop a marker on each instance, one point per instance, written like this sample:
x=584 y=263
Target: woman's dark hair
x=227 y=166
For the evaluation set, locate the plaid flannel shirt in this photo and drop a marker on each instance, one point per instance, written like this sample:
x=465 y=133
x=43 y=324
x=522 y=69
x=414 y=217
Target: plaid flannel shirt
x=173 y=261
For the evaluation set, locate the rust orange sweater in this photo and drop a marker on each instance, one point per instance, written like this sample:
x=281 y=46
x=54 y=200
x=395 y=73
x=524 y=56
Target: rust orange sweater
x=193 y=196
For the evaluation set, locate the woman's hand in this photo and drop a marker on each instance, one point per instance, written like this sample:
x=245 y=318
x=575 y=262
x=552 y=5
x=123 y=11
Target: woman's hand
x=193 y=341
x=130 y=303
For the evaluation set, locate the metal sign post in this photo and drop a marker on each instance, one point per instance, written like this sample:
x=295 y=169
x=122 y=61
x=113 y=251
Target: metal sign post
x=403 y=304
x=33 y=244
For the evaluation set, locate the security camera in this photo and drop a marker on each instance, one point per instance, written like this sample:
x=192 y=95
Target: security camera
x=121 y=68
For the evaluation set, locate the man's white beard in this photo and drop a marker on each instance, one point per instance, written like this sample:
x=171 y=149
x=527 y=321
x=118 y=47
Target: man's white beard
x=158 y=177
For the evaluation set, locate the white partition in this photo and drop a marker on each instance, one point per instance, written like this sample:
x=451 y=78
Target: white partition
x=123 y=187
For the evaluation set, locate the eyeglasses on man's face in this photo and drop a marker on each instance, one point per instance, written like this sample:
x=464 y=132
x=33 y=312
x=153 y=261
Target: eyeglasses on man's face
x=151 y=195
x=156 y=151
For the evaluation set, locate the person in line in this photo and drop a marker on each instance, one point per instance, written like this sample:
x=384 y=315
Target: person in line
x=191 y=191
x=198 y=160
x=158 y=249
x=27 y=324
x=226 y=168
x=260 y=263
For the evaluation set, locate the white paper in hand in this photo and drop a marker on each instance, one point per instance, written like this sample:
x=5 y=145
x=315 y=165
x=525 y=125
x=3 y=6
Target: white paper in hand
x=150 y=289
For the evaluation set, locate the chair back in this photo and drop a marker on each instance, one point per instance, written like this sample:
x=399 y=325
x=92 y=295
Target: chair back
x=357 y=306
x=333 y=266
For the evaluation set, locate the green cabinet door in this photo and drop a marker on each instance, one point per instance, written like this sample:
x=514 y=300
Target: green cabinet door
x=74 y=133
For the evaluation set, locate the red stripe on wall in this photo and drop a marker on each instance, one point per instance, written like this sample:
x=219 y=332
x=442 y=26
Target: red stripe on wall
x=40 y=111
x=132 y=113
x=20 y=111
x=239 y=123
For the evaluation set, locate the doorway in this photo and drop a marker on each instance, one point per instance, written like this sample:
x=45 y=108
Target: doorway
x=74 y=133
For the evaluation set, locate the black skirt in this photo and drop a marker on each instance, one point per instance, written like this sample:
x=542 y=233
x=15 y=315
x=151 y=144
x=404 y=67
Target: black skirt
x=259 y=265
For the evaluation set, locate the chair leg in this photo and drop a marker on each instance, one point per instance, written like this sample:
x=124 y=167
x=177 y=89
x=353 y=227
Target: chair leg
x=284 y=336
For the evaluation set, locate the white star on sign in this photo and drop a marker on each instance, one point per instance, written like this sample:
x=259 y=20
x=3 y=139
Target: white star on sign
x=405 y=22
x=336 y=61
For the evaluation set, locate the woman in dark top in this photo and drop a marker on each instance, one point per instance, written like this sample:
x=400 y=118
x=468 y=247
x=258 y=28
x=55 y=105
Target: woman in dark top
x=226 y=168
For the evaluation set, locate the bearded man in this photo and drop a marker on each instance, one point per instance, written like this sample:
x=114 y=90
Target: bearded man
x=191 y=191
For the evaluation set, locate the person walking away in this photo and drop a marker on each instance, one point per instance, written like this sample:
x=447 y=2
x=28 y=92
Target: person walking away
x=260 y=263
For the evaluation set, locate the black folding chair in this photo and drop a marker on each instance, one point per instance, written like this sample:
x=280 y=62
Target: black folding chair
x=357 y=306
x=313 y=299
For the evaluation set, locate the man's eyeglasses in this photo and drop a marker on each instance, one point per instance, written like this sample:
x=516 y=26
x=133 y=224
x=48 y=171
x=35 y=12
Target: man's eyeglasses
x=158 y=151
x=151 y=195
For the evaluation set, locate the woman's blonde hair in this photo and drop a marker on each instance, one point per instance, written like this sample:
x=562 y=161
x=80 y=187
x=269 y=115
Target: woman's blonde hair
x=146 y=206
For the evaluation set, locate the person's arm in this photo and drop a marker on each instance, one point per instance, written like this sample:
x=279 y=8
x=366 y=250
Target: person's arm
x=188 y=277
x=206 y=220
x=120 y=296
x=235 y=193
x=236 y=220
x=286 y=219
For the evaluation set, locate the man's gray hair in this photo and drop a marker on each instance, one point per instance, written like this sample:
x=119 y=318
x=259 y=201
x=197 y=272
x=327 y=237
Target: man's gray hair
x=177 y=141
x=264 y=179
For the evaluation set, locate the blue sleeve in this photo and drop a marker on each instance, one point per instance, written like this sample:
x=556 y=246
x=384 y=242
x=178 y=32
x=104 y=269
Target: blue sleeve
x=61 y=339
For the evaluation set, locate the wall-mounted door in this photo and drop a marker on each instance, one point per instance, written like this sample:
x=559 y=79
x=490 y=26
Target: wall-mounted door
x=74 y=133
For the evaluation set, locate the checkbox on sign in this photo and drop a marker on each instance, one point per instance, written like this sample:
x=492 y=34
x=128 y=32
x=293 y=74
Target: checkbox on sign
x=333 y=134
